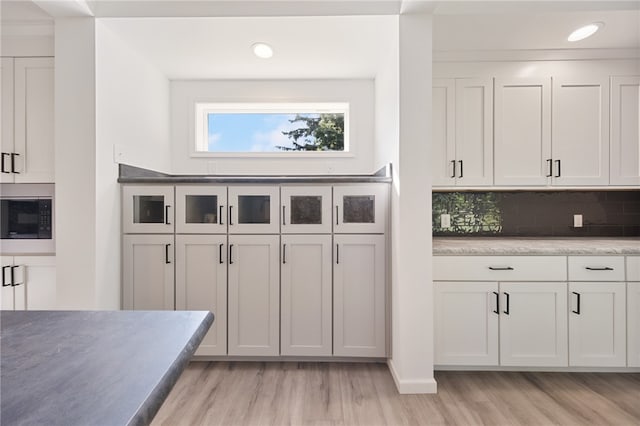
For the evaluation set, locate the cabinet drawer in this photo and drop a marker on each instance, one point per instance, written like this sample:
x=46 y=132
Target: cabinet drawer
x=499 y=268
x=596 y=268
x=633 y=268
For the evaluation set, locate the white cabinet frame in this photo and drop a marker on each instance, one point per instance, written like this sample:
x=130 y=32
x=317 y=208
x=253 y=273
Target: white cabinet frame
x=380 y=194
x=287 y=192
x=625 y=131
x=273 y=227
x=128 y=208
x=182 y=192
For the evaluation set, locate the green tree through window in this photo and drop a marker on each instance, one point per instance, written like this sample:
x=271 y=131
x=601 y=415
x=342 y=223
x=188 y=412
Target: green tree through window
x=324 y=132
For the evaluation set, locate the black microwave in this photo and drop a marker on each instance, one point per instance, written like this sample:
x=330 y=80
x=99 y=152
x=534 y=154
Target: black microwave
x=26 y=218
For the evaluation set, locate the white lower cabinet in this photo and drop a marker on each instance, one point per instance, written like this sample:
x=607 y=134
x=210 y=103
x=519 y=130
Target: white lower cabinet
x=28 y=283
x=253 y=295
x=305 y=326
x=201 y=285
x=597 y=326
x=148 y=269
x=533 y=324
x=359 y=296
x=466 y=323
x=633 y=324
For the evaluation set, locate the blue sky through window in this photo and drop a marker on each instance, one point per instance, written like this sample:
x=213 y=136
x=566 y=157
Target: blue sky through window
x=250 y=132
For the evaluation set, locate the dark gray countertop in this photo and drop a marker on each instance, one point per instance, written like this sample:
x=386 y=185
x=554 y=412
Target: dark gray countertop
x=534 y=246
x=131 y=174
x=93 y=367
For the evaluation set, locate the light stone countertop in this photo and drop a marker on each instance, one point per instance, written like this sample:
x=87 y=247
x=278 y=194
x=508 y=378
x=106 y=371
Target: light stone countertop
x=443 y=246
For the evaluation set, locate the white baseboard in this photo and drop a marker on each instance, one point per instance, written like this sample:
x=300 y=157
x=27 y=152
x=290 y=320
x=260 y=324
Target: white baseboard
x=412 y=386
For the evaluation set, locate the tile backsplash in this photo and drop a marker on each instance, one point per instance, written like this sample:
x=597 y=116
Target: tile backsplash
x=538 y=213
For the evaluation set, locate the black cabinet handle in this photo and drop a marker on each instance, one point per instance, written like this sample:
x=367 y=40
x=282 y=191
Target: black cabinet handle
x=284 y=254
x=497 y=311
x=461 y=169
x=577 y=311
x=337 y=215
x=5 y=284
x=506 y=311
x=220 y=255
x=220 y=216
x=501 y=268
x=230 y=254
x=13 y=162
x=550 y=165
x=453 y=171
x=605 y=268
x=13 y=276
x=559 y=170
x=337 y=254
x=283 y=216
x=166 y=215
x=3 y=169
x=166 y=253
x=229 y=218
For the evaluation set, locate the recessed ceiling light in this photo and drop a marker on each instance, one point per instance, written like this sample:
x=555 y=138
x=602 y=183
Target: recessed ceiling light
x=262 y=50
x=586 y=31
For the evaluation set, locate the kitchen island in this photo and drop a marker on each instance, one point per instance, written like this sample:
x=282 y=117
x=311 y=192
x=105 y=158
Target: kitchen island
x=93 y=367
x=501 y=246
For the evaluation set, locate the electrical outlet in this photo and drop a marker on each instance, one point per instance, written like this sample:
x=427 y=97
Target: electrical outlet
x=577 y=221
x=445 y=220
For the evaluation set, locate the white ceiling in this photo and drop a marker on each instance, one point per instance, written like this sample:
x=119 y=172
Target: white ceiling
x=304 y=47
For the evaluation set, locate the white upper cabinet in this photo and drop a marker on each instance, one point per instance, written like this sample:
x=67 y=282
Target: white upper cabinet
x=27 y=142
x=306 y=209
x=147 y=209
x=625 y=139
x=201 y=209
x=580 y=131
x=254 y=210
x=360 y=209
x=463 y=132
x=523 y=131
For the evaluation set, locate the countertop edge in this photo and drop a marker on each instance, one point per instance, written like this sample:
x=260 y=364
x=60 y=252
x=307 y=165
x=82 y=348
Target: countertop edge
x=596 y=246
x=150 y=407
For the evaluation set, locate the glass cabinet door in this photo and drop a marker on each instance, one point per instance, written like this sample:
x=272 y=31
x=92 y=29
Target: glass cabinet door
x=201 y=209
x=254 y=210
x=147 y=209
x=306 y=209
x=360 y=208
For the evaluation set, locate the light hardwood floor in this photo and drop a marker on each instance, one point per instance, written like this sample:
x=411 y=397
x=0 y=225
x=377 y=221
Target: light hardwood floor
x=291 y=393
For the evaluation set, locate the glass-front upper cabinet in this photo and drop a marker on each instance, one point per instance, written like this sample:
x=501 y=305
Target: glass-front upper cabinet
x=360 y=209
x=201 y=209
x=306 y=209
x=147 y=209
x=254 y=210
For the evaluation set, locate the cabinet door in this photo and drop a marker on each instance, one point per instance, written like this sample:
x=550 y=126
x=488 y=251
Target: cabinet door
x=254 y=210
x=359 y=296
x=6 y=115
x=474 y=132
x=201 y=209
x=306 y=209
x=625 y=137
x=254 y=294
x=147 y=209
x=597 y=326
x=34 y=130
x=360 y=209
x=443 y=152
x=466 y=323
x=6 y=293
x=37 y=276
x=201 y=284
x=533 y=324
x=306 y=295
x=580 y=132
x=147 y=269
x=523 y=131
x=633 y=324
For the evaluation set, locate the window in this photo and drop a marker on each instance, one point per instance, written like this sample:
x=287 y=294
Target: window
x=272 y=128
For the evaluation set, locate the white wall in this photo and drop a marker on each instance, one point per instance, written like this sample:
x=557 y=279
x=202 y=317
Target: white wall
x=132 y=124
x=75 y=159
x=359 y=93
x=411 y=361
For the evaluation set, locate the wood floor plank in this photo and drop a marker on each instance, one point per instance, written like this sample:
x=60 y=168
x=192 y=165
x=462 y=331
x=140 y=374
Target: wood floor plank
x=346 y=394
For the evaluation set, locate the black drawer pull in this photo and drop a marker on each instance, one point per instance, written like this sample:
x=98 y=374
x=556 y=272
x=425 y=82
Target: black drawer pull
x=461 y=170
x=506 y=311
x=497 y=311
x=166 y=253
x=549 y=163
x=230 y=254
x=577 y=311
x=605 y=268
x=166 y=215
x=5 y=284
x=453 y=172
x=501 y=268
x=13 y=162
x=559 y=163
x=220 y=216
x=3 y=168
x=220 y=255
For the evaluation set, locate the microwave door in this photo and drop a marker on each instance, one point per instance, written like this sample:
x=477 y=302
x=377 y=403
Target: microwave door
x=20 y=219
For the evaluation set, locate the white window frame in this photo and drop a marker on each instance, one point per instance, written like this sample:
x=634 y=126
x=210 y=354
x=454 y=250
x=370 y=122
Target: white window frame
x=203 y=108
